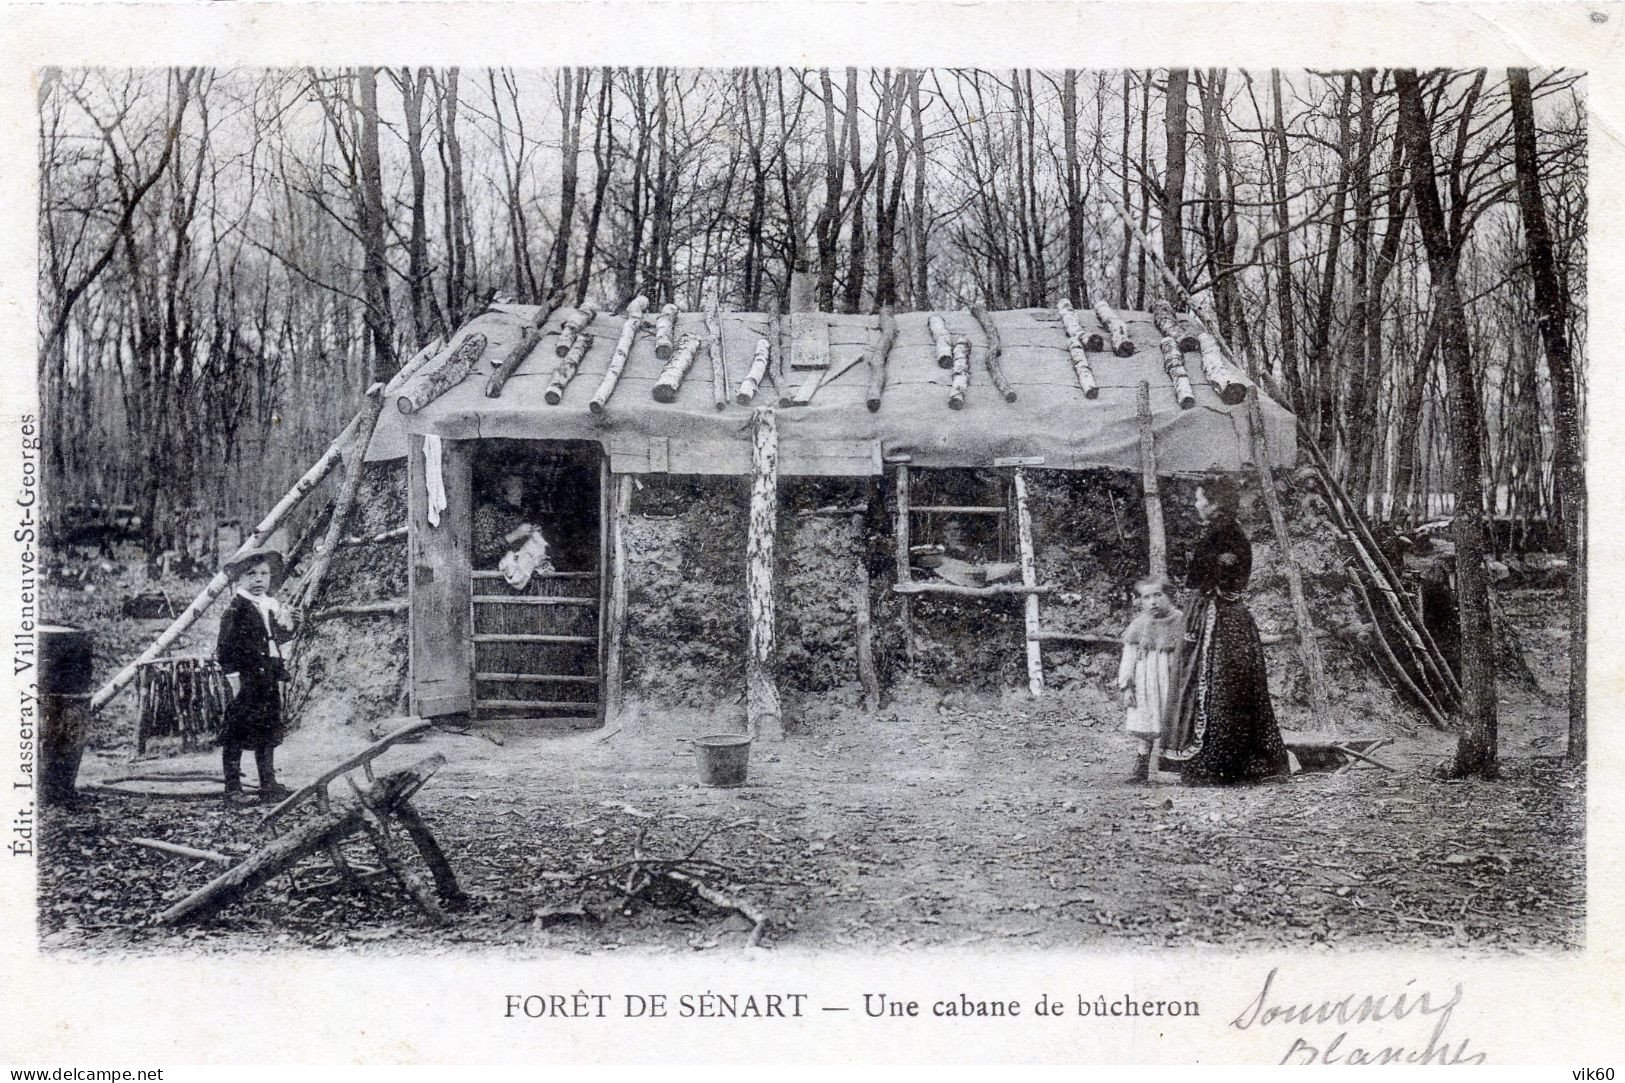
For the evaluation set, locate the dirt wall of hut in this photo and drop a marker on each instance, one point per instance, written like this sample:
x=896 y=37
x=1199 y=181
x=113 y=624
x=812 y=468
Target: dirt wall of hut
x=686 y=629
x=687 y=621
x=352 y=669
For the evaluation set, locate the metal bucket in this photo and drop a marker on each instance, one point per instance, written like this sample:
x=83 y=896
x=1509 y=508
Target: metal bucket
x=64 y=692
x=723 y=758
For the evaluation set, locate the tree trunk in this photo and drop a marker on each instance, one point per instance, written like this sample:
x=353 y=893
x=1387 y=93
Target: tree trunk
x=603 y=157
x=1077 y=290
x=374 y=268
x=1283 y=263
x=1173 y=180
x=1323 y=365
x=1476 y=742
x=1360 y=432
x=852 y=297
x=1552 y=308
x=417 y=245
x=457 y=221
x=827 y=232
x=572 y=104
x=922 y=292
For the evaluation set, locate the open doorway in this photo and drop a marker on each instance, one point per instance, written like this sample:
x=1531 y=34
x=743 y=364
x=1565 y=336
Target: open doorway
x=536 y=551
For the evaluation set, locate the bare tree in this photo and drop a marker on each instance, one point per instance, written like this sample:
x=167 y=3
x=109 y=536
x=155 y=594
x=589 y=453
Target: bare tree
x=1476 y=743
x=1552 y=305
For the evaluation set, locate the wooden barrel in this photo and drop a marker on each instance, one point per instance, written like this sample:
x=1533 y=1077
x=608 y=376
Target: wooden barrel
x=64 y=692
x=64 y=660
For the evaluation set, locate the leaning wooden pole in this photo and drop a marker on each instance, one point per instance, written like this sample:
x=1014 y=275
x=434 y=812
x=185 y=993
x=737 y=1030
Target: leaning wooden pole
x=1308 y=649
x=762 y=709
x=529 y=335
x=353 y=469
x=630 y=326
x=217 y=585
x=877 y=359
x=961 y=377
x=995 y=349
x=1156 y=532
x=719 y=362
x=414 y=366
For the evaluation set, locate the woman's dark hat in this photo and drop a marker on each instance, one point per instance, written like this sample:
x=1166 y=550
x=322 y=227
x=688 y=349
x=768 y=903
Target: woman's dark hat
x=241 y=562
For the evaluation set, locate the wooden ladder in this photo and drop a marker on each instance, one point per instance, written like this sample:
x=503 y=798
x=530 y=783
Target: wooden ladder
x=1028 y=591
x=486 y=599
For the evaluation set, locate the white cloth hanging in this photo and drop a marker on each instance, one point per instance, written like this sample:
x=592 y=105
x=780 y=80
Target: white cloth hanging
x=434 y=480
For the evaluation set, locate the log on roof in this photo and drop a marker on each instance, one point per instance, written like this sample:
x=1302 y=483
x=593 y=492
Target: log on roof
x=835 y=433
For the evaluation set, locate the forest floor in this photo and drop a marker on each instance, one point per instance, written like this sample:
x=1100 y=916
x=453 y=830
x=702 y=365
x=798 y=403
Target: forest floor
x=944 y=821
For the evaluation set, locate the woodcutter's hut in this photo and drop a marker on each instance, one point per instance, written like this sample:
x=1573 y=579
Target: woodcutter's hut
x=883 y=432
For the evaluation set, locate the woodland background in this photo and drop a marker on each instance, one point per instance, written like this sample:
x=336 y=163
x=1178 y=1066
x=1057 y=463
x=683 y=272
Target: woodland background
x=229 y=257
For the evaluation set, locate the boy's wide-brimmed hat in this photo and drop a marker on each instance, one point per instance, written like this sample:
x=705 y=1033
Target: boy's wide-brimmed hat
x=241 y=562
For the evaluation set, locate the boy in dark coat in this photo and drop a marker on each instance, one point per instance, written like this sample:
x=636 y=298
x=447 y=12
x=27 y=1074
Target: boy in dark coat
x=252 y=631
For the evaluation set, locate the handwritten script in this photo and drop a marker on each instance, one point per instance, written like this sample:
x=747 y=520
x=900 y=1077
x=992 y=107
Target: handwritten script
x=1359 y=1028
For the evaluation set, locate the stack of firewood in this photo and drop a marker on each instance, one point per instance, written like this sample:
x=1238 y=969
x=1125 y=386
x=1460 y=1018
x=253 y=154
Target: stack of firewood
x=181 y=697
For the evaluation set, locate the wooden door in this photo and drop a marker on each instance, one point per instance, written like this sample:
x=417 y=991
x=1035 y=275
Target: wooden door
x=438 y=572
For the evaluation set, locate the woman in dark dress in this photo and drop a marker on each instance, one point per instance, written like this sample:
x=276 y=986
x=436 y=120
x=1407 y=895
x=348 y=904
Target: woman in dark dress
x=1222 y=723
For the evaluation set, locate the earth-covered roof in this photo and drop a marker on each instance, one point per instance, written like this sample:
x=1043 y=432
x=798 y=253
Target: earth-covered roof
x=835 y=432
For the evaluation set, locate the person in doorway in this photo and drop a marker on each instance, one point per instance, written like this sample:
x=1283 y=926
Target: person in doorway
x=506 y=536
x=501 y=521
x=252 y=632
x=1145 y=675
x=1222 y=723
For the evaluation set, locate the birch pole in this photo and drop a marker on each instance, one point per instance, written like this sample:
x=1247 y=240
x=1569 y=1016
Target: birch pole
x=719 y=364
x=1173 y=363
x=1116 y=329
x=1230 y=384
x=1162 y=314
x=529 y=335
x=942 y=342
x=671 y=377
x=961 y=378
x=1156 y=532
x=762 y=709
x=623 y=349
x=666 y=332
x=758 y=369
x=1085 y=340
x=565 y=371
x=575 y=323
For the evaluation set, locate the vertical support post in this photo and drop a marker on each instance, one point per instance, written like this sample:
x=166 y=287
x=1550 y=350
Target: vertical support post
x=762 y=708
x=441 y=583
x=1156 y=532
x=904 y=573
x=867 y=676
x=617 y=506
x=1308 y=648
x=1029 y=579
